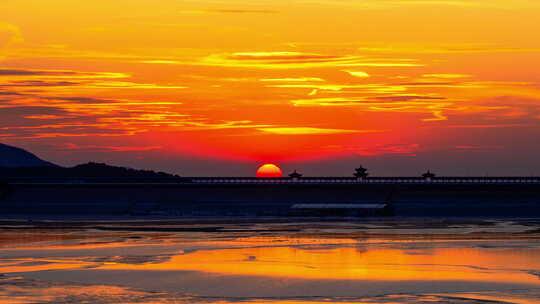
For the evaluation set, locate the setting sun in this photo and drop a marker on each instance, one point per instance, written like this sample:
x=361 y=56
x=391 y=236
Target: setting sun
x=269 y=170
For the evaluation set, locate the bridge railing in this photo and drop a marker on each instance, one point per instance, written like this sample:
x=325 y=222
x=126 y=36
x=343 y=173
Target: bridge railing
x=371 y=180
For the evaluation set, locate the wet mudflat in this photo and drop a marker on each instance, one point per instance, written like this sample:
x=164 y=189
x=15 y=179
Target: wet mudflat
x=270 y=261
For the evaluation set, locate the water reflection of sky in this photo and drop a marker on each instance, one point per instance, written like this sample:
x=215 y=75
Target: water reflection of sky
x=279 y=267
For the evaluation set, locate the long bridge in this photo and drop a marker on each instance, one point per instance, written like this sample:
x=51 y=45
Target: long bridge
x=369 y=180
x=251 y=196
x=282 y=180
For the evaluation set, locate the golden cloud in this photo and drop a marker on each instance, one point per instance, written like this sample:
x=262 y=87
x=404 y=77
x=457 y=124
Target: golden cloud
x=296 y=60
x=358 y=74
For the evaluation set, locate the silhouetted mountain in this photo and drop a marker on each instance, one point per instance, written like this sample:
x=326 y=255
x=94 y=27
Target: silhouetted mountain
x=99 y=170
x=18 y=163
x=84 y=171
x=13 y=157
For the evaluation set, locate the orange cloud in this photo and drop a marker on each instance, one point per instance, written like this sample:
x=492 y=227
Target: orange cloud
x=311 y=131
x=378 y=149
x=71 y=146
x=446 y=76
x=300 y=79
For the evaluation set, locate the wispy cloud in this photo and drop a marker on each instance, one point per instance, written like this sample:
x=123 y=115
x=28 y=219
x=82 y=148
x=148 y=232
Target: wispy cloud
x=58 y=74
x=358 y=74
x=377 y=149
x=72 y=146
x=288 y=60
x=312 y=131
x=68 y=78
x=37 y=84
x=444 y=49
x=400 y=104
x=297 y=60
x=300 y=79
x=222 y=125
x=364 y=88
x=478 y=148
x=43 y=117
x=447 y=76
x=488 y=126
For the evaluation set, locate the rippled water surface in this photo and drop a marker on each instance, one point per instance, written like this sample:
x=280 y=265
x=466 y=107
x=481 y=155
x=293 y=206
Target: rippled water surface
x=273 y=261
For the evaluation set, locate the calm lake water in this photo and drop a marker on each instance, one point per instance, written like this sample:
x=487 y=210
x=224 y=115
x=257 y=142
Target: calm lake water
x=273 y=261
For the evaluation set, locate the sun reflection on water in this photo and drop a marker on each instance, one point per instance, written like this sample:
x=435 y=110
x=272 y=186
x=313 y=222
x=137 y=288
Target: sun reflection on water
x=358 y=263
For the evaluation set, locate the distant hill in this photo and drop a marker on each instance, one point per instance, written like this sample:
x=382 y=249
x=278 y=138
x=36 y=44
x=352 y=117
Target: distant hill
x=84 y=171
x=13 y=157
x=99 y=170
x=18 y=163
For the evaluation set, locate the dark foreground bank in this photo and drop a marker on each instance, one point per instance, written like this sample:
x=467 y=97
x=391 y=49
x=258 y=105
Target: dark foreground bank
x=190 y=199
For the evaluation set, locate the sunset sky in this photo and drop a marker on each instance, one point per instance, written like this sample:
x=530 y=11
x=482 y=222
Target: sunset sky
x=220 y=87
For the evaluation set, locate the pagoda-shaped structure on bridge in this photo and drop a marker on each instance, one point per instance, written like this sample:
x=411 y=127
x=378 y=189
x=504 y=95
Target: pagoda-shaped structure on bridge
x=429 y=176
x=361 y=173
x=295 y=176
